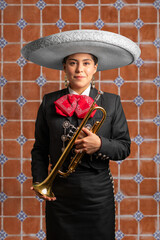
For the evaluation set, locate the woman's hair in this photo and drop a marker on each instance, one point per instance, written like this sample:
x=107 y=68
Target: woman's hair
x=95 y=59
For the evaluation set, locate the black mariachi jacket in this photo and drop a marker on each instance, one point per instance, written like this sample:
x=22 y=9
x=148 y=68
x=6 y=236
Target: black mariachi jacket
x=48 y=131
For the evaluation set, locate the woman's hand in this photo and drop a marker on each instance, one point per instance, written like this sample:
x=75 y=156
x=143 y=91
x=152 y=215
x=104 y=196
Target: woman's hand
x=87 y=142
x=43 y=196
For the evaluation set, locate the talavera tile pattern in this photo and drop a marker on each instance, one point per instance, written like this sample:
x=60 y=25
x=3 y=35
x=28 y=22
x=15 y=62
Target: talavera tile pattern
x=23 y=84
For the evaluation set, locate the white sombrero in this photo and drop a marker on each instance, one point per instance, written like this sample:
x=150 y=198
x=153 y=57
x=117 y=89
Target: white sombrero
x=111 y=49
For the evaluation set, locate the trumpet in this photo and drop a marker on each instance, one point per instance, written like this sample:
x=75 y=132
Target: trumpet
x=45 y=187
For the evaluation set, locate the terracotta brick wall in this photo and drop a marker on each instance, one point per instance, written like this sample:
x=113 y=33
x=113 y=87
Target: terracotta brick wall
x=137 y=179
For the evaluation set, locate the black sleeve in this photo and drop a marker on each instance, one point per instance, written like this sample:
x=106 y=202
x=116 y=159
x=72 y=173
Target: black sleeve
x=118 y=146
x=40 y=151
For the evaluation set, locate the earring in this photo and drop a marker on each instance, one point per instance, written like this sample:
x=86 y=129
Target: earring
x=66 y=81
x=93 y=82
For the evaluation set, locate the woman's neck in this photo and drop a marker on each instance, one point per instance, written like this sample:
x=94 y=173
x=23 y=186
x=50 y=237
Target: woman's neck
x=80 y=91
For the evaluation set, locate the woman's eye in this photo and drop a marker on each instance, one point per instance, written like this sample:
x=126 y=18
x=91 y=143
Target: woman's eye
x=86 y=63
x=72 y=63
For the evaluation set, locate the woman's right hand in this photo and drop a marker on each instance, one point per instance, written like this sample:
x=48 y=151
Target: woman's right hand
x=43 y=196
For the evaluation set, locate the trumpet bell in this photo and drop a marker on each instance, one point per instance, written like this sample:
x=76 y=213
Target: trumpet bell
x=44 y=189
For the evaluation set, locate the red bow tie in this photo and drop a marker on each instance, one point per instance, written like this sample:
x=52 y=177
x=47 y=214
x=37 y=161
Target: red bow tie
x=72 y=103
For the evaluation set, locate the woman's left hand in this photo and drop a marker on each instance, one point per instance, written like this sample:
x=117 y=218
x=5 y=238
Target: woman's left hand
x=89 y=144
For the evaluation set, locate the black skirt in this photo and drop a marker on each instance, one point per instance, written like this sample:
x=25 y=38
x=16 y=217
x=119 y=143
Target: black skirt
x=84 y=208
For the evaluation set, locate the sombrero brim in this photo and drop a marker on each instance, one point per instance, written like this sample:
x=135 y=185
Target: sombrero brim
x=111 y=49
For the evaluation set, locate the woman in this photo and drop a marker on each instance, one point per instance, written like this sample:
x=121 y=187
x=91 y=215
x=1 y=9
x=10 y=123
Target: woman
x=83 y=206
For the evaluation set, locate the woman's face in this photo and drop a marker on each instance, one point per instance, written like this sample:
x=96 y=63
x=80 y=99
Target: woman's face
x=80 y=68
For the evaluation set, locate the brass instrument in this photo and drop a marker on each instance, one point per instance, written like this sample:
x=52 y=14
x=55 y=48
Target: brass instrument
x=45 y=187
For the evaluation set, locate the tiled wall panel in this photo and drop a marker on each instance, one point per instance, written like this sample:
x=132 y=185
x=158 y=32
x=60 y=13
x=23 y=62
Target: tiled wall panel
x=23 y=84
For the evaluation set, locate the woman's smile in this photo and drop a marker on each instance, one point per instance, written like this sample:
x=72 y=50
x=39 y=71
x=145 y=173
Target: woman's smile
x=79 y=77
